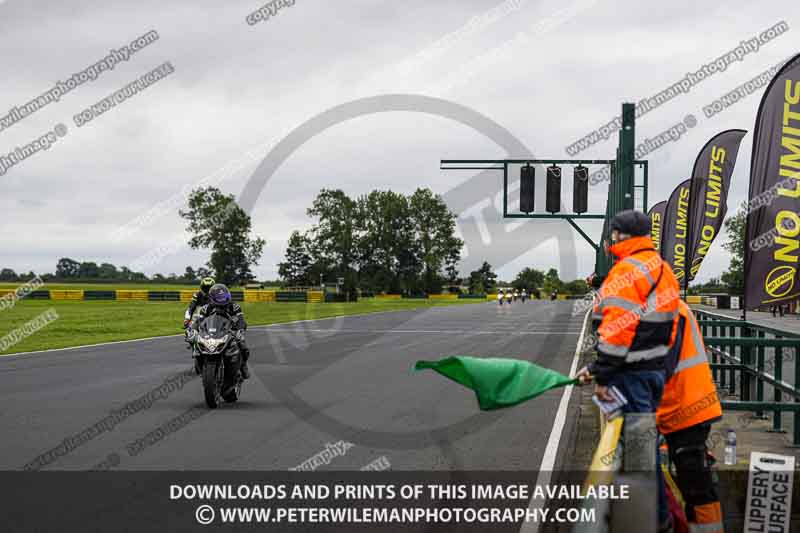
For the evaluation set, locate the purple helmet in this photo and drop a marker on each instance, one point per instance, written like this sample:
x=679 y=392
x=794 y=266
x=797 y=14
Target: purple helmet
x=219 y=295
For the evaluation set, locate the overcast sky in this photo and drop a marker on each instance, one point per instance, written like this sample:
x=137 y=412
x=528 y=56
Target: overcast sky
x=545 y=72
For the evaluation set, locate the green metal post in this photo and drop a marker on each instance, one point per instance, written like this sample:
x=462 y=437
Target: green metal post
x=714 y=356
x=745 y=358
x=760 y=368
x=644 y=192
x=776 y=394
x=732 y=375
x=796 y=440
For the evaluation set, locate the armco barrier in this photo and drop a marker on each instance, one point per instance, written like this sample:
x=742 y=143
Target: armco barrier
x=164 y=296
x=443 y=296
x=99 y=295
x=186 y=296
x=388 y=296
x=462 y=296
x=66 y=295
x=237 y=296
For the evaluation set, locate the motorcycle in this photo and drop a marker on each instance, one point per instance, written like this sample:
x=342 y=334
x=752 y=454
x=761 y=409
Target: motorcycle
x=217 y=359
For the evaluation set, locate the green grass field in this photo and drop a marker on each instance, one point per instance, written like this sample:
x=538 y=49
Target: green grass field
x=81 y=322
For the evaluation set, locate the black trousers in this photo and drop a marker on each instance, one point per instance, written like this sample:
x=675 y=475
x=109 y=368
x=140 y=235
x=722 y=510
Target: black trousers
x=689 y=453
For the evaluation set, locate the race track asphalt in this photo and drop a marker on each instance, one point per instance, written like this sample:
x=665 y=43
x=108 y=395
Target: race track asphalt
x=344 y=385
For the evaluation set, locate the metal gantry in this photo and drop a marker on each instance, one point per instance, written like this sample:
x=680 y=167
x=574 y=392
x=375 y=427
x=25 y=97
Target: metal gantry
x=621 y=189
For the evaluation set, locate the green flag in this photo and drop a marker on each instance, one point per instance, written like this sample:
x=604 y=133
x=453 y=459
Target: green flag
x=498 y=382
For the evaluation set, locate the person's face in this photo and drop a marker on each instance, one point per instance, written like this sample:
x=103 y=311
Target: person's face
x=615 y=236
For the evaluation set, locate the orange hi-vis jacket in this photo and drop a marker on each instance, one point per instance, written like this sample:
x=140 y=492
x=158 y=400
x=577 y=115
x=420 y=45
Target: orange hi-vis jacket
x=690 y=395
x=637 y=308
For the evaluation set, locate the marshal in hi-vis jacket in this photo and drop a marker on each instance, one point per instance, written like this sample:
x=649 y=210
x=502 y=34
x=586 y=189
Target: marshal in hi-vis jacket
x=690 y=395
x=637 y=309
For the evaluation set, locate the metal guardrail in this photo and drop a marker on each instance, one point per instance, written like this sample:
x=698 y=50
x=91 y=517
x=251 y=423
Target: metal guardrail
x=739 y=356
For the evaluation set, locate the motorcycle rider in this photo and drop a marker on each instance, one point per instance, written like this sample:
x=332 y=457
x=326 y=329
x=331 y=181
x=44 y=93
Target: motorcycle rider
x=221 y=303
x=199 y=299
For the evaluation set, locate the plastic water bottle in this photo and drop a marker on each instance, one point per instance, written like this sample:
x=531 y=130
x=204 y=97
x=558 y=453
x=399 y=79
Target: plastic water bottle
x=730 y=448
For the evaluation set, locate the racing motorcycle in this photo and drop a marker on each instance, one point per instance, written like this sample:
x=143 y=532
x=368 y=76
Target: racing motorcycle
x=217 y=359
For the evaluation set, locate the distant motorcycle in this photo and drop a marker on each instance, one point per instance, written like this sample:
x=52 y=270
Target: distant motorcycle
x=217 y=358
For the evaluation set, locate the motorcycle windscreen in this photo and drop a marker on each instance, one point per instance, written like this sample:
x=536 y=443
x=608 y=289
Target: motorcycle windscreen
x=215 y=326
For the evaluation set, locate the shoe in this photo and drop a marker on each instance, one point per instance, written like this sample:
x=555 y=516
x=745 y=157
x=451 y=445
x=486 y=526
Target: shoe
x=245 y=370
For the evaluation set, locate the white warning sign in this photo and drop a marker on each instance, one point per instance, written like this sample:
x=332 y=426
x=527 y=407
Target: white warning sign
x=769 y=493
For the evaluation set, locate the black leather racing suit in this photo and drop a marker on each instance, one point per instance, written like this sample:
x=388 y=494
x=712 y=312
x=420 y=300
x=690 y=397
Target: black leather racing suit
x=199 y=299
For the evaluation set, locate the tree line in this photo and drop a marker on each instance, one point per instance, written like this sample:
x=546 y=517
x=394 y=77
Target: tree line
x=69 y=270
x=382 y=241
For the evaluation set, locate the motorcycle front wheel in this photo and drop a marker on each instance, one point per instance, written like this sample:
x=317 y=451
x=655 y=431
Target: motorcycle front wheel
x=212 y=383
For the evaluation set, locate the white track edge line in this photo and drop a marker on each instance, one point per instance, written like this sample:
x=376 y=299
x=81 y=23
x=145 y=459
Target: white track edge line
x=551 y=450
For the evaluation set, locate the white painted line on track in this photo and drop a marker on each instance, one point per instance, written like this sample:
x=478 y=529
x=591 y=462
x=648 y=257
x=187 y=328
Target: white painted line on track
x=434 y=331
x=551 y=450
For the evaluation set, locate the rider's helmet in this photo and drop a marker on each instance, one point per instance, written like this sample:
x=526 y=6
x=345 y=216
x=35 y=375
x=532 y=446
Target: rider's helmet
x=206 y=284
x=219 y=295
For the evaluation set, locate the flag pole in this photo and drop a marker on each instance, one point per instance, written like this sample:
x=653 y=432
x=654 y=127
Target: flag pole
x=689 y=249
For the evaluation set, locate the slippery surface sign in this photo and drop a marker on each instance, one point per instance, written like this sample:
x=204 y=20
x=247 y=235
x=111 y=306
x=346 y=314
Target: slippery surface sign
x=769 y=493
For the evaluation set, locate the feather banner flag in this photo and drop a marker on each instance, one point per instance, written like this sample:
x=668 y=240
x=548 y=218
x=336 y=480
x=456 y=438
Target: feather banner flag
x=498 y=382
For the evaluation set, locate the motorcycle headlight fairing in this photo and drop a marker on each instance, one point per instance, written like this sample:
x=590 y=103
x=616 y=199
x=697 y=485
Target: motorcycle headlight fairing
x=213 y=344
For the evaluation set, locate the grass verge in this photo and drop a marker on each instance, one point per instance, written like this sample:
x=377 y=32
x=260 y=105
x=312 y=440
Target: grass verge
x=81 y=322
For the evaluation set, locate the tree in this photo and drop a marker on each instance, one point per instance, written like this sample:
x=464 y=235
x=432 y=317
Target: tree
x=528 y=278
x=332 y=238
x=88 y=270
x=552 y=282
x=388 y=255
x=217 y=222
x=451 y=272
x=434 y=230
x=711 y=286
x=482 y=280
x=189 y=275
x=577 y=287
x=108 y=271
x=296 y=269
x=67 y=268
x=8 y=275
x=735 y=229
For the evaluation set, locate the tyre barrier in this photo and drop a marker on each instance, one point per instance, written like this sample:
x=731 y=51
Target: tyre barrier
x=39 y=295
x=291 y=296
x=316 y=297
x=164 y=296
x=99 y=295
x=66 y=295
x=248 y=295
x=443 y=296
